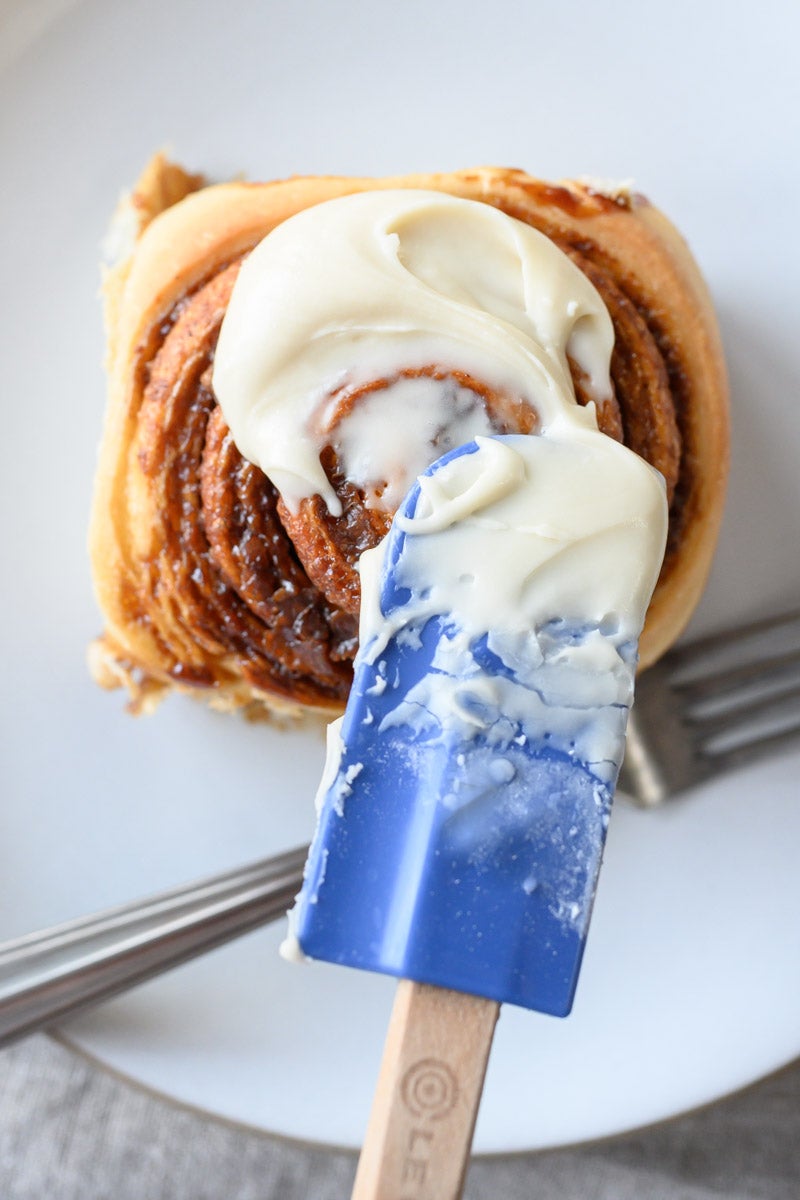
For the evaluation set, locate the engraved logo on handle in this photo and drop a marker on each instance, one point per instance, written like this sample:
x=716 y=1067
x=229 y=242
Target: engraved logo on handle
x=429 y=1089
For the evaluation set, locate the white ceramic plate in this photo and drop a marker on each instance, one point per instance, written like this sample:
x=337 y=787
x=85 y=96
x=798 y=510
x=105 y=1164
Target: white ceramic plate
x=693 y=967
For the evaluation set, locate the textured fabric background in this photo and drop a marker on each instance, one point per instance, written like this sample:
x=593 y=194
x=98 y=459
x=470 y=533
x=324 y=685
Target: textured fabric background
x=69 y=1131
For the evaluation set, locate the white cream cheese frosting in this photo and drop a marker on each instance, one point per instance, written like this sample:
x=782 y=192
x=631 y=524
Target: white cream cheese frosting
x=554 y=592
x=364 y=287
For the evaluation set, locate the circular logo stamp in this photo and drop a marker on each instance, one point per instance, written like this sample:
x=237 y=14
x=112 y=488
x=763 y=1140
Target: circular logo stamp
x=429 y=1089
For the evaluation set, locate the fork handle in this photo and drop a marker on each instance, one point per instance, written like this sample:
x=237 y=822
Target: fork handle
x=48 y=976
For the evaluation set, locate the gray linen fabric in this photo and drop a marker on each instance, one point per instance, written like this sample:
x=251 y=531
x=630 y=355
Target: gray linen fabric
x=70 y=1131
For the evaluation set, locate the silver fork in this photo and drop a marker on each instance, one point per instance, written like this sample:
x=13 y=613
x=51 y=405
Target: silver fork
x=48 y=976
x=690 y=722
x=717 y=703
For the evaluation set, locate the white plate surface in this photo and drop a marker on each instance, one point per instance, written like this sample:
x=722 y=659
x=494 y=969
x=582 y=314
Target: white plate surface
x=693 y=968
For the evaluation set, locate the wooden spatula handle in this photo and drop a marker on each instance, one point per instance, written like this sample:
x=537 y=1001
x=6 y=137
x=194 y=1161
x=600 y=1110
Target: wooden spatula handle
x=419 y=1135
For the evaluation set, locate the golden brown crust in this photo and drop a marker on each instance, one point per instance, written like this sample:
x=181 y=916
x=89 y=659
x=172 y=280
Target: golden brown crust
x=176 y=508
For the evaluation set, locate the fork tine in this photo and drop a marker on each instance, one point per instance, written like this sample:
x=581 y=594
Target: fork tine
x=683 y=656
x=733 y=679
x=752 y=751
x=733 y=718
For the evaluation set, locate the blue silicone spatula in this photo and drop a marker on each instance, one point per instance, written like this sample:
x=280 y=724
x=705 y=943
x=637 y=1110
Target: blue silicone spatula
x=459 y=840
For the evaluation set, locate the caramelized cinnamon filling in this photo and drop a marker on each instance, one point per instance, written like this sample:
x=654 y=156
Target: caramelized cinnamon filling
x=226 y=586
x=236 y=585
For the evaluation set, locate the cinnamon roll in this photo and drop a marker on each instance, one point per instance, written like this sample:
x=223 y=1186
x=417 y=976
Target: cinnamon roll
x=213 y=581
